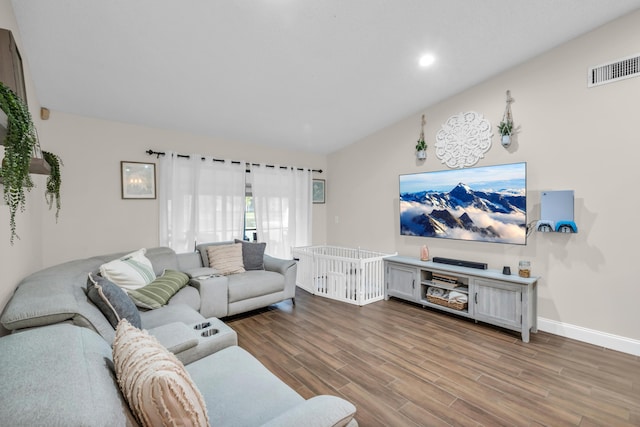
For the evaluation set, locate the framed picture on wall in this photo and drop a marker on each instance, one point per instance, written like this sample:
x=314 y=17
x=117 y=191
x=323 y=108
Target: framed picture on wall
x=138 y=180
x=318 y=191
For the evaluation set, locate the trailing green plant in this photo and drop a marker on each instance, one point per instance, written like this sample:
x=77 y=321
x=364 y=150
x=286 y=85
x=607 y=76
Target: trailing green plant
x=505 y=127
x=19 y=143
x=54 y=180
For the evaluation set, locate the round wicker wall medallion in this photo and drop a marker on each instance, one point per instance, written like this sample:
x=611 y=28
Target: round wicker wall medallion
x=463 y=139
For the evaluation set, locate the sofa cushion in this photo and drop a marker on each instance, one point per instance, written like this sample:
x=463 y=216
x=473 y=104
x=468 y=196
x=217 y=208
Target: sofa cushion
x=59 y=375
x=154 y=382
x=112 y=301
x=131 y=271
x=252 y=255
x=160 y=291
x=226 y=259
x=251 y=394
x=319 y=411
x=188 y=295
x=162 y=258
x=53 y=295
x=254 y=283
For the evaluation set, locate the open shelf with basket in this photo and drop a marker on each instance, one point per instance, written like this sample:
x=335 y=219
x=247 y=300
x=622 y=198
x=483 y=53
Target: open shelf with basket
x=444 y=290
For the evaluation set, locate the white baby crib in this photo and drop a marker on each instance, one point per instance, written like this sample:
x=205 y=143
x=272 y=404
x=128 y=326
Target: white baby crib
x=355 y=276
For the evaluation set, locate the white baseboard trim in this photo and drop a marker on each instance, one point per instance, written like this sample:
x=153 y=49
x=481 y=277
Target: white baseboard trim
x=602 y=339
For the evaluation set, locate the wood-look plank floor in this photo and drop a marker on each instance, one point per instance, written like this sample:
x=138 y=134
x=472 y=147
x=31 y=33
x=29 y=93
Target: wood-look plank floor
x=402 y=365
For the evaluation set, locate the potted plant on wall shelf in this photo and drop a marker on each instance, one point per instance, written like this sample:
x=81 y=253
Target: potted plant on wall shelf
x=20 y=145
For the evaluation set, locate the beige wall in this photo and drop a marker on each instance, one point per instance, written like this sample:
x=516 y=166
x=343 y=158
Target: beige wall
x=94 y=218
x=572 y=138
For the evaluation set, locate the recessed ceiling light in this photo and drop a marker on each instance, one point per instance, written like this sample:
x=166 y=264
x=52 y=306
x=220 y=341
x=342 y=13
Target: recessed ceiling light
x=427 y=60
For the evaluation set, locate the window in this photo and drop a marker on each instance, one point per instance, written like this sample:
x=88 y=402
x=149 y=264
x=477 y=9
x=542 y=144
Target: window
x=201 y=200
x=250 y=230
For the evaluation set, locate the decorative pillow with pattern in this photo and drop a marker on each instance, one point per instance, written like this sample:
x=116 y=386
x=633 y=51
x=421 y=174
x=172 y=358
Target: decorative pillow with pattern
x=130 y=272
x=155 y=384
x=226 y=259
x=159 y=292
x=112 y=301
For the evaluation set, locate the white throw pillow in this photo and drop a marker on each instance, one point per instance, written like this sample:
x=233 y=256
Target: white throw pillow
x=154 y=382
x=226 y=259
x=130 y=272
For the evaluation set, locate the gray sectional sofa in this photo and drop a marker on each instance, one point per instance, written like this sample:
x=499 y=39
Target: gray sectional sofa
x=63 y=375
x=57 y=367
x=58 y=293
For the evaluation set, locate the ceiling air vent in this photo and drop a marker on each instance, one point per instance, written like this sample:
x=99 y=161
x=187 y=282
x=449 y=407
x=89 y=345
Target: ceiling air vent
x=613 y=71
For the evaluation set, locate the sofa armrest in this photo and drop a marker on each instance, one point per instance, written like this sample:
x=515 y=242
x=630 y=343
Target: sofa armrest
x=288 y=268
x=200 y=273
x=175 y=337
x=214 y=295
x=278 y=265
x=319 y=411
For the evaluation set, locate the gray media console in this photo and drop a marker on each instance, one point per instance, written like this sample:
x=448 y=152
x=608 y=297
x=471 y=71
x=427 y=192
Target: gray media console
x=508 y=301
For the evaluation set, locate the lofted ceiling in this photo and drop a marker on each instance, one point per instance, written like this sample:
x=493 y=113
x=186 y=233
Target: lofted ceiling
x=292 y=74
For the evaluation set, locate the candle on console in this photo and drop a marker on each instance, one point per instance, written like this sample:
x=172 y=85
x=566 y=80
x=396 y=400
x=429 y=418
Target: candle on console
x=424 y=253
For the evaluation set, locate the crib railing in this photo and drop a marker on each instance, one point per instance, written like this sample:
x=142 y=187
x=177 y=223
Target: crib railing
x=351 y=275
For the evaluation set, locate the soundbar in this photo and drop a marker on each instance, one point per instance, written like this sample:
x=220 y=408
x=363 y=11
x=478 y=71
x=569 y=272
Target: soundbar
x=461 y=263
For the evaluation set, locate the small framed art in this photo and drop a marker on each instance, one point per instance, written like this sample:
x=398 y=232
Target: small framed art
x=138 y=180
x=318 y=191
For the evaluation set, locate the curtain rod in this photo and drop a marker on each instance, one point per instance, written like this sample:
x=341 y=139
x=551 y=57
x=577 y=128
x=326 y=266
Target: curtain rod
x=186 y=156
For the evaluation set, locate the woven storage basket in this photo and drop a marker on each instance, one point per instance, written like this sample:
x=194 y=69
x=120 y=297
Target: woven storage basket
x=455 y=305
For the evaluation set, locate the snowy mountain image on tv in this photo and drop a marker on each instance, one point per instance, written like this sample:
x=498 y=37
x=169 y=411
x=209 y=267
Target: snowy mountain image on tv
x=484 y=203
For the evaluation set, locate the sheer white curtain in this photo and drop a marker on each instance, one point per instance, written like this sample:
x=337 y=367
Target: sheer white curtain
x=282 y=203
x=221 y=201
x=199 y=200
x=176 y=197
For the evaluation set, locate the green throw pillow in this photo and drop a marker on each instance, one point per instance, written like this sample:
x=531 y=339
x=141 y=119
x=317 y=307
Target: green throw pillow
x=159 y=292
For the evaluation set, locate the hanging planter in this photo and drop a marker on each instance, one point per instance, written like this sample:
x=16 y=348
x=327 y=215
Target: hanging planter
x=505 y=128
x=421 y=145
x=506 y=125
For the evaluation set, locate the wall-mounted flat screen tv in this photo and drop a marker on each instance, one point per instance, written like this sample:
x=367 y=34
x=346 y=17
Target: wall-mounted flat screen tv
x=487 y=204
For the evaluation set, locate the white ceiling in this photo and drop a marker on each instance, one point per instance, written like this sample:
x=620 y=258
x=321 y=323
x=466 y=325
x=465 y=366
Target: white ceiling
x=294 y=74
